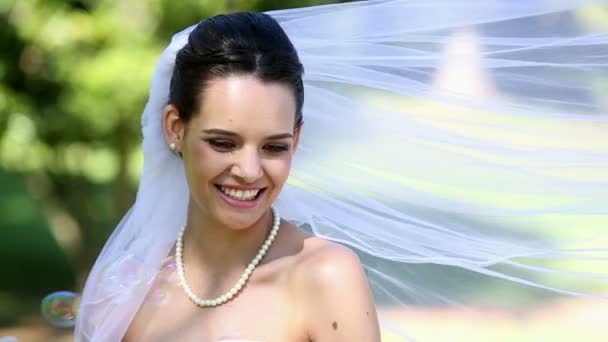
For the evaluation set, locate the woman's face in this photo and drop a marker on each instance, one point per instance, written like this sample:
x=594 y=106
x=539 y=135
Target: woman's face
x=237 y=150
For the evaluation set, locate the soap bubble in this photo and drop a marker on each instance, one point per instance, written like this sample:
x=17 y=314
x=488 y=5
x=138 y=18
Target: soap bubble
x=8 y=339
x=59 y=309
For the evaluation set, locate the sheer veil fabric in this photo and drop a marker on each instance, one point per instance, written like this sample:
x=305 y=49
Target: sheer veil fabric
x=458 y=146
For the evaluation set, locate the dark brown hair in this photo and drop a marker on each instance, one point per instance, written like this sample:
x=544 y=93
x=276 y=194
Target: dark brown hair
x=239 y=43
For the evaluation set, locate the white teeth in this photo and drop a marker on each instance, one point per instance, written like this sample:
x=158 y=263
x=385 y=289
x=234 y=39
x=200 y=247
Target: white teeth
x=243 y=195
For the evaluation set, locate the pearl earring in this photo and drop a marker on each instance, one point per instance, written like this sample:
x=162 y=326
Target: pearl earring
x=172 y=147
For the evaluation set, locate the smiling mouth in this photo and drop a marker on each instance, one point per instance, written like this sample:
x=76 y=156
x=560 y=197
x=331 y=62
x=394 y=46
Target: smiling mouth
x=241 y=195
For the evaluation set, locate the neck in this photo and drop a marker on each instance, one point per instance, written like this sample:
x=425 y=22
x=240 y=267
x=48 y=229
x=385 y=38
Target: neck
x=217 y=248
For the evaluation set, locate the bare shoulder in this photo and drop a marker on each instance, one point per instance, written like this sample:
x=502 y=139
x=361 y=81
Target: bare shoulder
x=324 y=262
x=319 y=262
x=333 y=293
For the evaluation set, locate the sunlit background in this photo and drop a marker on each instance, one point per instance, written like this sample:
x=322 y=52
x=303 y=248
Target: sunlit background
x=74 y=81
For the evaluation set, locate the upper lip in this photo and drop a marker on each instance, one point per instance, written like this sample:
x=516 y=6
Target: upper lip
x=241 y=187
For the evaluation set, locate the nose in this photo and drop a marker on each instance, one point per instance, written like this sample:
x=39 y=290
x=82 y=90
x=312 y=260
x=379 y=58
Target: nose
x=247 y=165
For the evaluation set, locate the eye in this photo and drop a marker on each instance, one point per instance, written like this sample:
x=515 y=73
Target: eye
x=276 y=148
x=221 y=145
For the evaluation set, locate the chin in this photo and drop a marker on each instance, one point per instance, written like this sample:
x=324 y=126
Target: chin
x=236 y=220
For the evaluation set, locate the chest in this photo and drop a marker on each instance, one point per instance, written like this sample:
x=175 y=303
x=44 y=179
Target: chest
x=264 y=311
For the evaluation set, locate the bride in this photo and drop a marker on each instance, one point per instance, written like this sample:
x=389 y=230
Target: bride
x=234 y=117
x=452 y=181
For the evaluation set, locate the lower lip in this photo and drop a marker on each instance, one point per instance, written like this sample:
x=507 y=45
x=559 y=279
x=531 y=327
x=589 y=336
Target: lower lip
x=241 y=204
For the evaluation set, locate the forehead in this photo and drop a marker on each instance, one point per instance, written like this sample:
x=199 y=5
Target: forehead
x=245 y=103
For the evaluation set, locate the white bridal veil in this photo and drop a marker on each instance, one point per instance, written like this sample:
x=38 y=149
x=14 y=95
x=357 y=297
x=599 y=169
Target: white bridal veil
x=459 y=146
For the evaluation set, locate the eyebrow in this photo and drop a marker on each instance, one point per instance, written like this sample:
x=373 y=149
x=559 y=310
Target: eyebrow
x=232 y=134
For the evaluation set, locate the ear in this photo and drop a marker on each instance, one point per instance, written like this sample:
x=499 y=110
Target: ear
x=173 y=127
x=296 y=137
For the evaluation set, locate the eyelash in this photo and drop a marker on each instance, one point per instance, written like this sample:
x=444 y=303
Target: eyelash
x=221 y=144
x=276 y=148
x=227 y=145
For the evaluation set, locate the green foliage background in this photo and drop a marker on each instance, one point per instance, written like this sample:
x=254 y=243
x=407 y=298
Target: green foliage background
x=74 y=77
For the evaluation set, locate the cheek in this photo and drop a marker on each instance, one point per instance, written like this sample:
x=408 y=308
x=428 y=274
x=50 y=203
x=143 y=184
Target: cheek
x=278 y=169
x=206 y=164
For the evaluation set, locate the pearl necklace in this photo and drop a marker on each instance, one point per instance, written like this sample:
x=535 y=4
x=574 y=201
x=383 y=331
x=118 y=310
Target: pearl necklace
x=239 y=285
